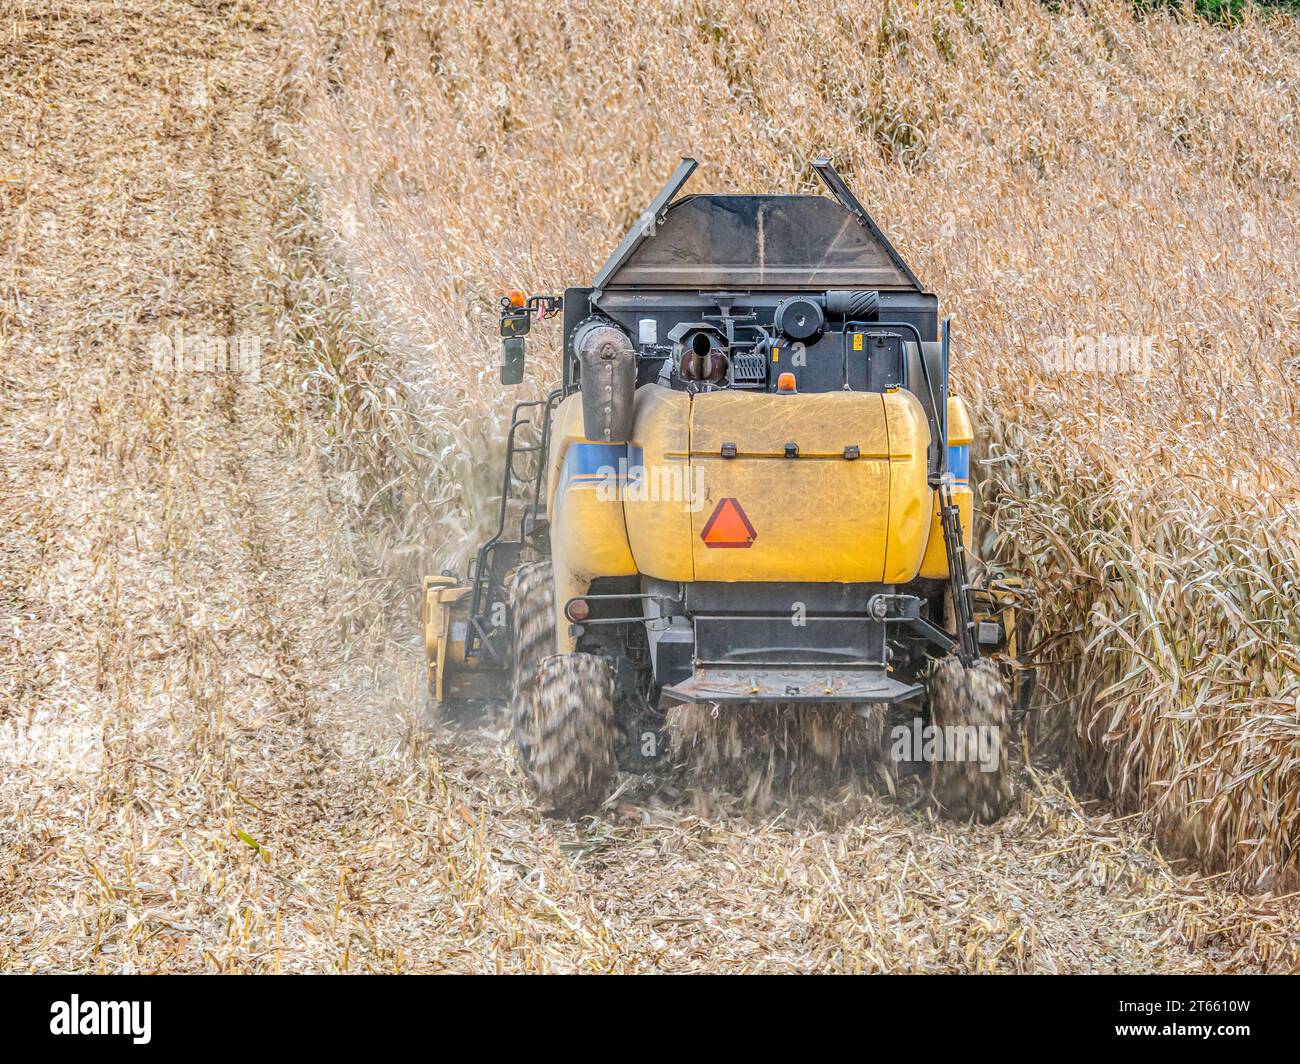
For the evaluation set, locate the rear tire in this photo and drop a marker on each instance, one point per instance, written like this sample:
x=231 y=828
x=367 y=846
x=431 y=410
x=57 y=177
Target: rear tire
x=963 y=697
x=571 y=733
x=562 y=705
x=532 y=613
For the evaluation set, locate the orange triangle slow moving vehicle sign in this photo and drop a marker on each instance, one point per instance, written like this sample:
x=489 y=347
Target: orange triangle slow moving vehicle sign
x=728 y=527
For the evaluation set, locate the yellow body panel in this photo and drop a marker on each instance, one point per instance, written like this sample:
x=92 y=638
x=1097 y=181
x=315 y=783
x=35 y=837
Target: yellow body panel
x=910 y=497
x=588 y=533
x=816 y=517
x=961 y=430
x=642 y=507
x=761 y=424
x=660 y=491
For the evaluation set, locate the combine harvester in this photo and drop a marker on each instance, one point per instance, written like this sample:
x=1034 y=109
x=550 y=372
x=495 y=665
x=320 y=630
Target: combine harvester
x=751 y=486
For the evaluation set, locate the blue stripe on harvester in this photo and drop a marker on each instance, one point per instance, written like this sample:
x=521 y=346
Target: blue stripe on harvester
x=584 y=461
x=959 y=462
x=584 y=458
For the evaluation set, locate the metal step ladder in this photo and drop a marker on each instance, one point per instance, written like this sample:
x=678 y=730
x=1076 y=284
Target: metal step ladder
x=499 y=555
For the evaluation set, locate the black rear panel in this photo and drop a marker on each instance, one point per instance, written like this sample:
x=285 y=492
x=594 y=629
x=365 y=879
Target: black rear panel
x=862 y=356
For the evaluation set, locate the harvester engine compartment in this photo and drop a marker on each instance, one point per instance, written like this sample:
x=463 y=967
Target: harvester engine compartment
x=746 y=341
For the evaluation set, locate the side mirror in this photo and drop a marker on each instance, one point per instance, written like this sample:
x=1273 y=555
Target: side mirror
x=517 y=313
x=515 y=324
x=512 y=360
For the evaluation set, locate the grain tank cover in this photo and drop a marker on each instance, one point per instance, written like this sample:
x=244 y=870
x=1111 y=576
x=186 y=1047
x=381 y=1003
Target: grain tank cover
x=756 y=242
x=761 y=242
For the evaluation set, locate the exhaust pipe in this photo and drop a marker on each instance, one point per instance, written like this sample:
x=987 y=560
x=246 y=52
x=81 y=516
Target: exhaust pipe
x=607 y=364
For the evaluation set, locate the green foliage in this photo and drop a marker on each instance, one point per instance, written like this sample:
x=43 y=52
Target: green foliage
x=1220 y=10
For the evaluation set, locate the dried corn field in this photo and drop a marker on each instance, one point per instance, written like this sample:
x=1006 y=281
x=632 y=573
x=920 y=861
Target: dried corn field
x=213 y=755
